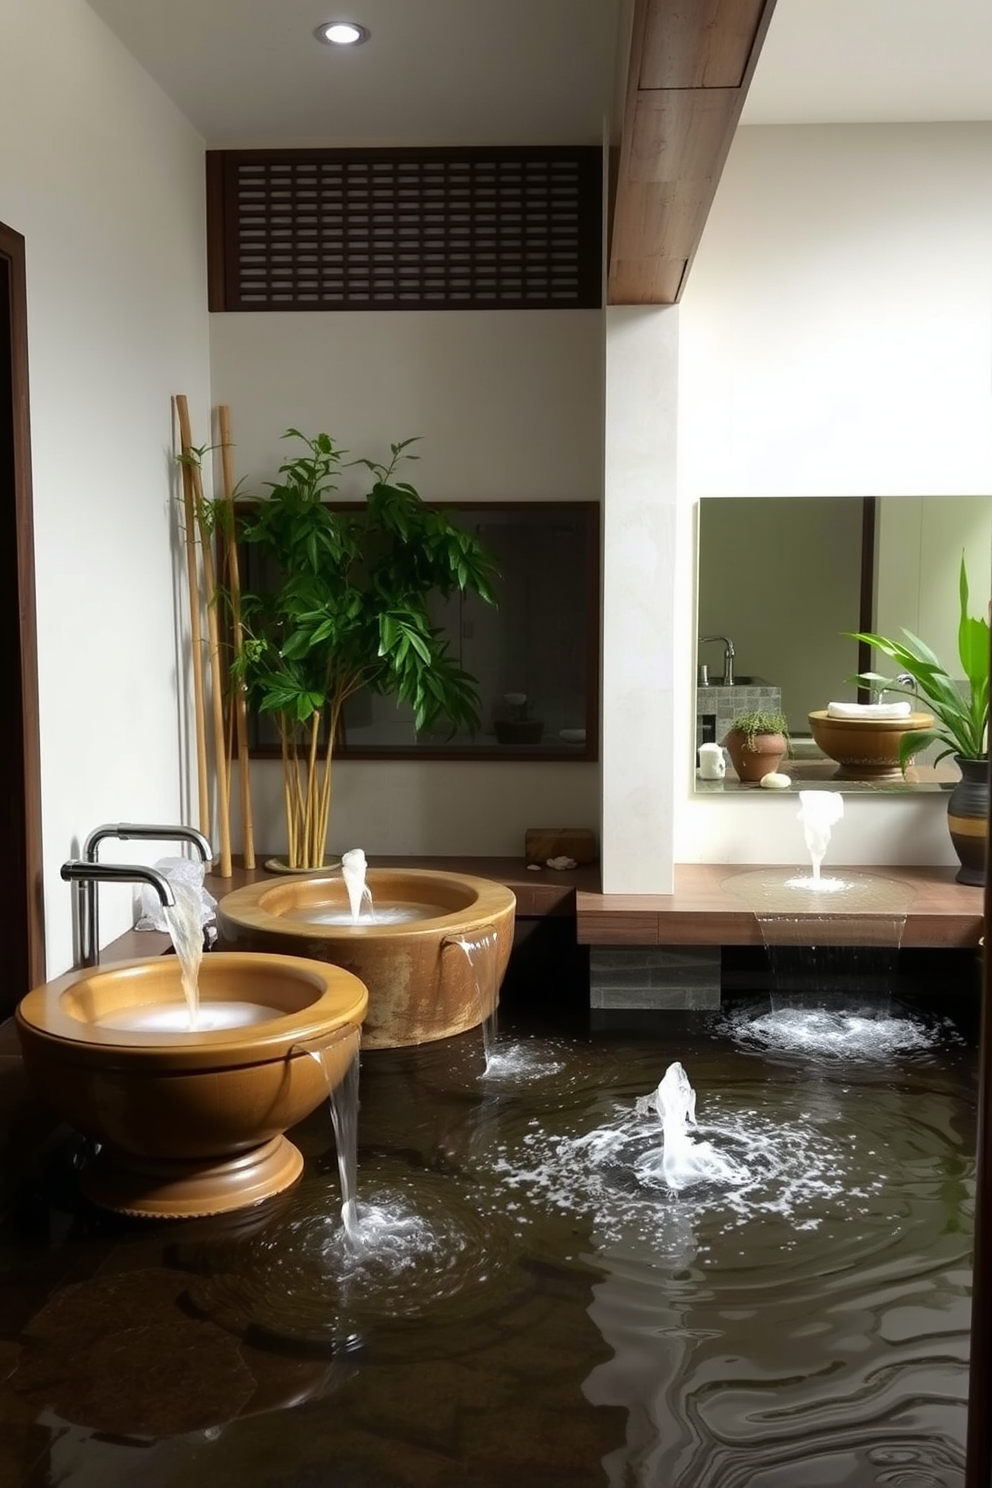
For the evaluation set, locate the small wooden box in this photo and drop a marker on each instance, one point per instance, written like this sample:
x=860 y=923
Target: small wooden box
x=578 y=843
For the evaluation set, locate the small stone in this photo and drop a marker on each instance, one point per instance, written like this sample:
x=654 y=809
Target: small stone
x=775 y=781
x=533 y=868
x=562 y=863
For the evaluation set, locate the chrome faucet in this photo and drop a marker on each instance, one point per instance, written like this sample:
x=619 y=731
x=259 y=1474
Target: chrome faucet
x=86 y=875
x=728 y=656
x=126 y=831
x=87 y=921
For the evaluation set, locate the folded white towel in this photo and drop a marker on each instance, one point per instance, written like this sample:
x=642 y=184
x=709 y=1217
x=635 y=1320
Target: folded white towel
x=869 y=710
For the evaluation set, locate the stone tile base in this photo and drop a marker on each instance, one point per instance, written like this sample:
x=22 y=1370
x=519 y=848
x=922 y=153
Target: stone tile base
x=654 y=977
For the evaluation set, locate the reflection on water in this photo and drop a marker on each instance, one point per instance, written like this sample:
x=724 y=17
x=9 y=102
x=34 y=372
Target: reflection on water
x=533 y=1301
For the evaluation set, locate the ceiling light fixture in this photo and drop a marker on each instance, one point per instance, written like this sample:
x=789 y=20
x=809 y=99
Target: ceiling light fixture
x=341 y=33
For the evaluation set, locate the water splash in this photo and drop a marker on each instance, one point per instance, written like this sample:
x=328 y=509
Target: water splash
x=353 y=870
x=682 y=1159
x=830 y=1035
x=819 y=810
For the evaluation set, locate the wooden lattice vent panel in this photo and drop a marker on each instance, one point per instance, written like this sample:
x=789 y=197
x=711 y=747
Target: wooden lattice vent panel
x=404 y=229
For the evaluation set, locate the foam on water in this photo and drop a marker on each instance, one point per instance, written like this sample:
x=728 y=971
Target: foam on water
x=395 y=913
x=741 y=1164
x=823 y=1034
x=515 y=1060
x=176 y=1018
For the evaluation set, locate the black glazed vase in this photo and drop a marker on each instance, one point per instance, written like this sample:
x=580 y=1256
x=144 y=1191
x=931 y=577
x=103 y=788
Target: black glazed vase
x=968 y=819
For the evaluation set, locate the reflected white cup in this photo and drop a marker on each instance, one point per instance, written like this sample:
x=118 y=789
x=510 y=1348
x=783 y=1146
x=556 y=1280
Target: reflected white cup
x=712 y=762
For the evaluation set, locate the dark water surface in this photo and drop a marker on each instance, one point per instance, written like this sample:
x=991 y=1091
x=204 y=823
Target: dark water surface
x=532 y=1304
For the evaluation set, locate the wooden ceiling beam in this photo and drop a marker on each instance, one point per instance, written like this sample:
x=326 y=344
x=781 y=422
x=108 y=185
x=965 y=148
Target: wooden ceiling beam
x=691 y=63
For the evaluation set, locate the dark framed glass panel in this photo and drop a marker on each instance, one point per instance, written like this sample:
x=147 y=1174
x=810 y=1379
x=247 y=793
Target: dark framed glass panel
x=534 y=654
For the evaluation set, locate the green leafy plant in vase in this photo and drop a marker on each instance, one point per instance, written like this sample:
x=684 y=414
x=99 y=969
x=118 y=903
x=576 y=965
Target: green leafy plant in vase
x=961 y=719
x=347 y=609
x=757 y=742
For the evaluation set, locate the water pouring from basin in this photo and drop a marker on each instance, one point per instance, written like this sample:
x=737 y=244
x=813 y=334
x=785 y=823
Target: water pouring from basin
x=342 y=1093
x=831 y=939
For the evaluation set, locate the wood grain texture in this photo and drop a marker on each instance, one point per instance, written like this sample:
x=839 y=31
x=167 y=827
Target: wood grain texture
x=689 y=70
x=704 y=911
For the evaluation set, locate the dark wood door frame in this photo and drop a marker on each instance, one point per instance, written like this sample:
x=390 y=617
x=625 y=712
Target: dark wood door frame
x=20 y=754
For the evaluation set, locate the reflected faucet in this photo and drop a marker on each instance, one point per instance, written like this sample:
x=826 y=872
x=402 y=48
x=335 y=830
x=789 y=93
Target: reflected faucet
x=87 y=921
x=728 y=656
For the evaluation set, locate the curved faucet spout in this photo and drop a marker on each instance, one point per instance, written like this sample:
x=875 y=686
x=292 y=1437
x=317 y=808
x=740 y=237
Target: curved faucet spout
x=728 y=656
x=86 y=875
x=148 y=832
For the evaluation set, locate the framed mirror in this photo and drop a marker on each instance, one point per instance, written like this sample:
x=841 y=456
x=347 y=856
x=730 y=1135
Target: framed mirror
x=782 y=579
x=534 y=654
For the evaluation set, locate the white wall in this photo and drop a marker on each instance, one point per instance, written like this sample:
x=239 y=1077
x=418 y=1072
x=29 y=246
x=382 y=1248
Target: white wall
x=508 y=407
x=642 y=634
x=836 y=339
x=104 y=180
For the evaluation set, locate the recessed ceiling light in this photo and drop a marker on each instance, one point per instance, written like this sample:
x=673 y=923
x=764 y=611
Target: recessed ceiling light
x=341 y=33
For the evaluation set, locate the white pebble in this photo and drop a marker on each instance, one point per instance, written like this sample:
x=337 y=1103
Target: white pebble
x=775 y=782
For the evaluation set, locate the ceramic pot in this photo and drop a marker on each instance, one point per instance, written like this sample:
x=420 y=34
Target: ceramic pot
x=967 y=818
x=865 y=748
x=754 y=758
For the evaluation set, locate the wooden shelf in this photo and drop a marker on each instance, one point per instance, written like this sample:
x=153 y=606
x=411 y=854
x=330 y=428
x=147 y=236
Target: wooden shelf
x=703 y=910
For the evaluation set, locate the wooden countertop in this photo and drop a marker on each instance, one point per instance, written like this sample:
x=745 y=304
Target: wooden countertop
x=704 y=910
x=539 y=892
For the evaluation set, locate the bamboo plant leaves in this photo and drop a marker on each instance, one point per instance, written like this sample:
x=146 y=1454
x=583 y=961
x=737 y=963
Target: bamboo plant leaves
x=349 y=606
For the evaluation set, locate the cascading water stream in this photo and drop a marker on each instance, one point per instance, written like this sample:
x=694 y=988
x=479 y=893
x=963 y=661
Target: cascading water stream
x=831 y=939
x=480 y=952
x=343 y=1101
x=186 y=929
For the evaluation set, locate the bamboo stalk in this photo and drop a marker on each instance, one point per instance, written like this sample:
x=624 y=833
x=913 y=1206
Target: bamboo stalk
x=196 y=641
x=287 y=791
x=240 y=705
x=315 y=857
x=225 y=867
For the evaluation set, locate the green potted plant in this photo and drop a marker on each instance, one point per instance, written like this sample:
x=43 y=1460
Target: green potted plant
x=347 y=608
x=757 y=742
x=961 y=718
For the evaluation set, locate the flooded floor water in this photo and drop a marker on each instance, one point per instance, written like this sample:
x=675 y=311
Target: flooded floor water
x=532 y=1303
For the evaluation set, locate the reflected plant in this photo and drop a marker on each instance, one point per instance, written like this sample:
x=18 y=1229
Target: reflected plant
x=962 y=718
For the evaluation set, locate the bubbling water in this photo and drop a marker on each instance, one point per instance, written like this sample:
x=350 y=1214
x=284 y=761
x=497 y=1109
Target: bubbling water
x=353 y=869
x=818 y=811
x=211 y=1016
x=392 y=912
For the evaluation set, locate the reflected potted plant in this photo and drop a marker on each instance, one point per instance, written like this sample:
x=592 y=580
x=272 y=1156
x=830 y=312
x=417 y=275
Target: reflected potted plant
x=348 y=609
x=517 y=727
x=961 y=721
x=757 y=742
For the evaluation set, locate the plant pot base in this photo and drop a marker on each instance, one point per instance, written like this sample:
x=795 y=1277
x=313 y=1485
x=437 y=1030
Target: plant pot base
x=967 y=820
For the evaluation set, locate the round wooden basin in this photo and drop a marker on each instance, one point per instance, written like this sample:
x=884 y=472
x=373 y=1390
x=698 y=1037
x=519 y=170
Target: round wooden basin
x=430 y=974
x=191 y=1122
